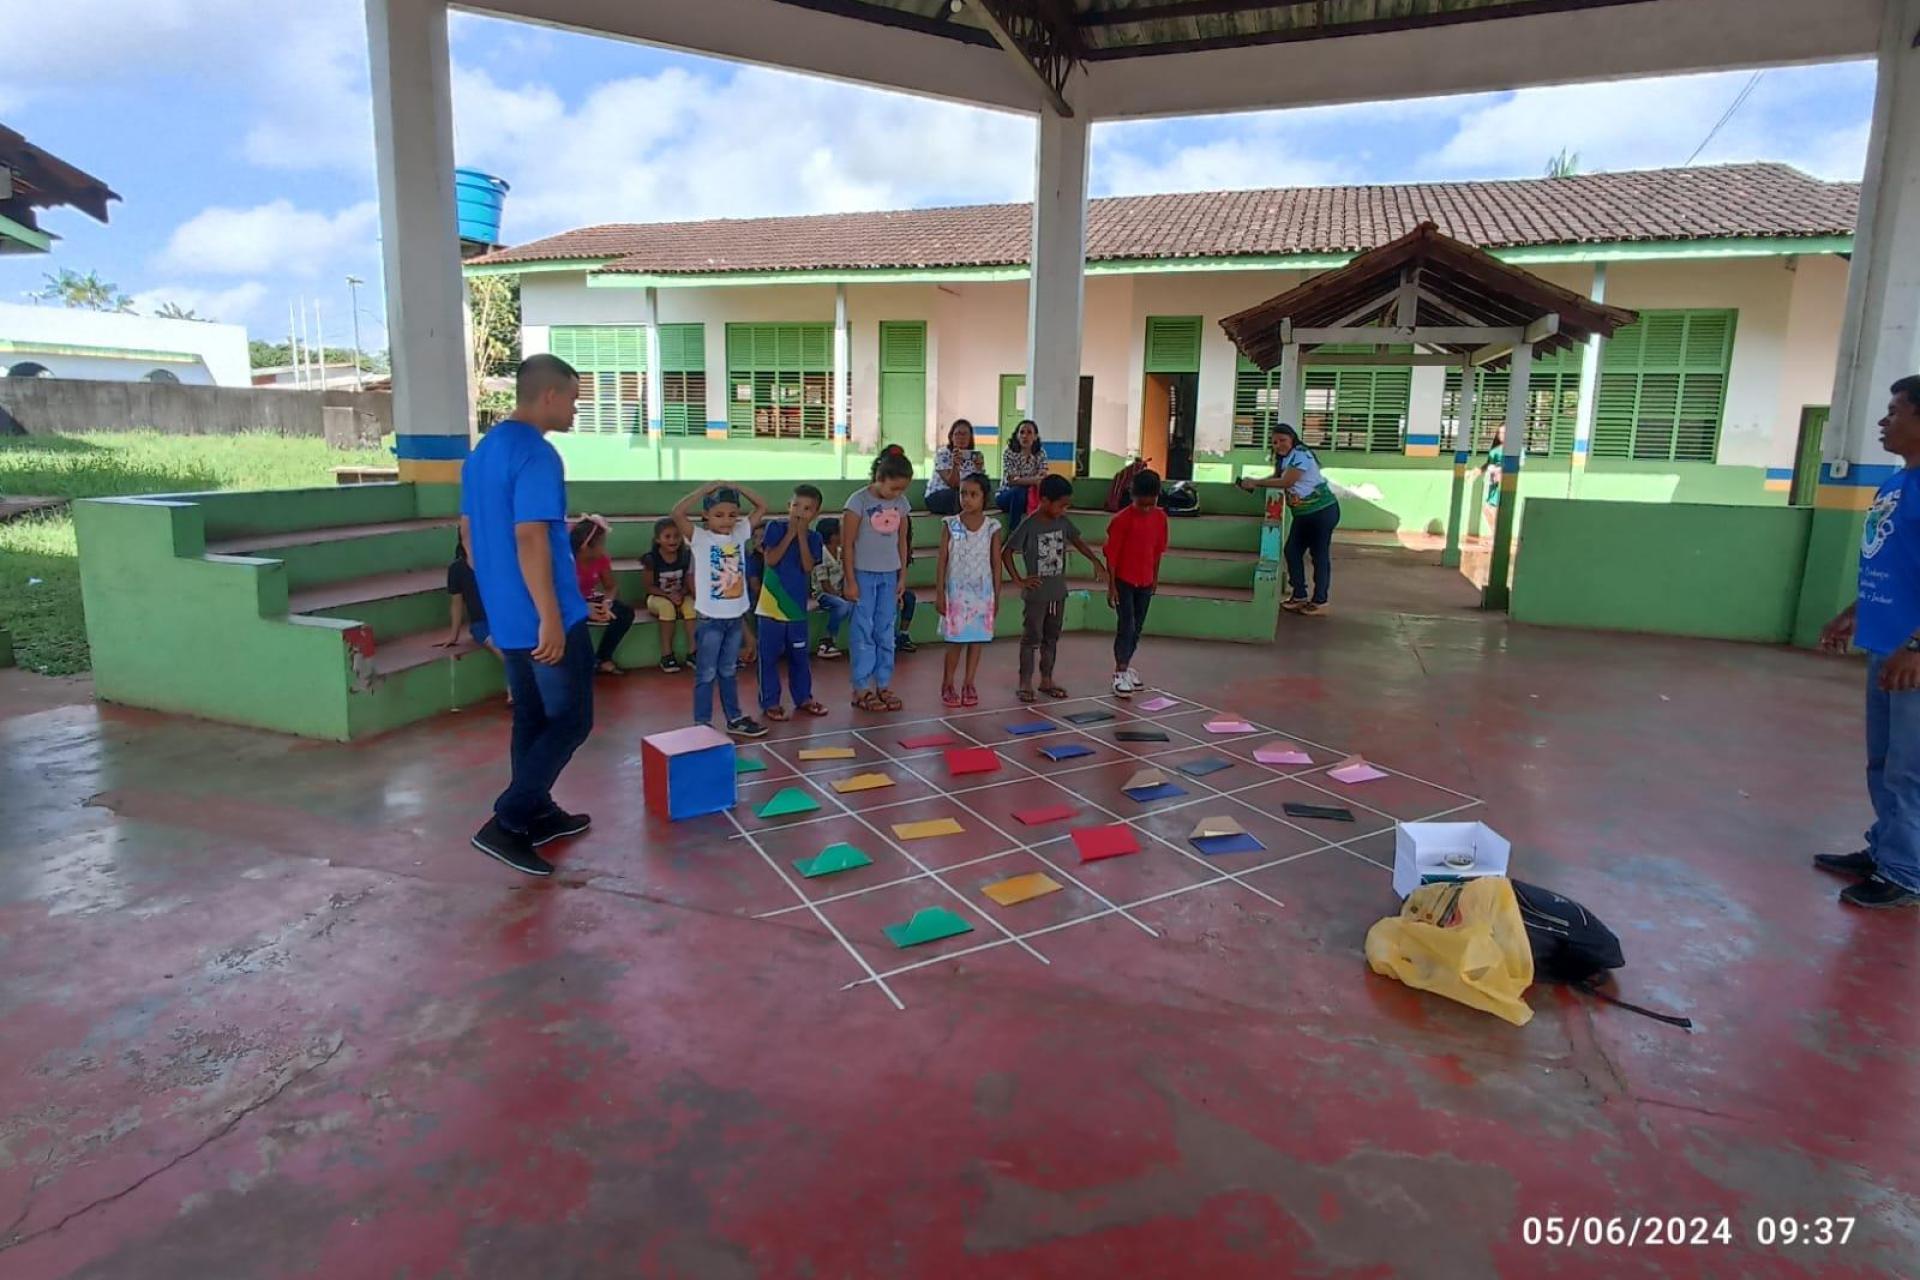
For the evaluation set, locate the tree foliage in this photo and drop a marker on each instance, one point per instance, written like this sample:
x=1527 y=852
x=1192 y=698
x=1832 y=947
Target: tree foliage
x=85 y=292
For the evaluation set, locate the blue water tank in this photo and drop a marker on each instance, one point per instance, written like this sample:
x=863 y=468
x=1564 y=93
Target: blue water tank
x=479 y=197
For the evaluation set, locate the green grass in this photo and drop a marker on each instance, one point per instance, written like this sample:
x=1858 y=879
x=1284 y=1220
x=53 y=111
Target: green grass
x=39 y=565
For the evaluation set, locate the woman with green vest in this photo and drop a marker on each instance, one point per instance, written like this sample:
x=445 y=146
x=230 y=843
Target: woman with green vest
x=1315 y=512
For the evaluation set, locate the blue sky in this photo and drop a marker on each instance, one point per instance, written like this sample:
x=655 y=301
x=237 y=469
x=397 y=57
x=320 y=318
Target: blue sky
x=239 y=137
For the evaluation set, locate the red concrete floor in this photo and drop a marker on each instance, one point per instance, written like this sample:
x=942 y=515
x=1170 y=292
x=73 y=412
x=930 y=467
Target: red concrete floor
x=265 y=1014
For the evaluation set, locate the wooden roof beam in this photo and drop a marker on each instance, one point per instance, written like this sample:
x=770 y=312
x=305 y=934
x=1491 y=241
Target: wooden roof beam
x=1040 y=37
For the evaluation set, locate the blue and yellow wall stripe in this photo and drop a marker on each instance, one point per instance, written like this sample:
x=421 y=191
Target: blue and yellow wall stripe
x=1853 y=491
x=1779 y=479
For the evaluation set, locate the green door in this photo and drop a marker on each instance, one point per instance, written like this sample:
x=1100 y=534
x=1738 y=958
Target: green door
x=1013 y=388
x=903 y=385
x=1806 y=459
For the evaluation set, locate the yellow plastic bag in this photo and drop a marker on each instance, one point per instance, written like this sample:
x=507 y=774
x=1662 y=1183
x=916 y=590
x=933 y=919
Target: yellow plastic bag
x=1464 y=941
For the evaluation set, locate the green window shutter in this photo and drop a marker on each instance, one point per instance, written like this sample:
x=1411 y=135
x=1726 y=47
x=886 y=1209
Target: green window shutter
x=903 y=384
x=683 y=379
x=1359 y=407
x=612 y=363
x=903 y=346
x=1173 y=344
x=1663 y=387
x=1256 y=405
x=779 y=379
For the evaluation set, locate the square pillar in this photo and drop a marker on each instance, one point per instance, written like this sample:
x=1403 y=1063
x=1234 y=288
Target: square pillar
x=1880 y=331
x=1513 y=449
x=1589 y=391
x=1056 y=293
x=1464 y=411
x=420 y=236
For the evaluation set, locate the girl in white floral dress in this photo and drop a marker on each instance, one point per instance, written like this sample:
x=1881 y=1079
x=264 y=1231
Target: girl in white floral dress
x=967 y=586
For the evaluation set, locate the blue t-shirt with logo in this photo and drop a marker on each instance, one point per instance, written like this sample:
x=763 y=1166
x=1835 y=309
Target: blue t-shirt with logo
x=1889 y=610
x=515 y=477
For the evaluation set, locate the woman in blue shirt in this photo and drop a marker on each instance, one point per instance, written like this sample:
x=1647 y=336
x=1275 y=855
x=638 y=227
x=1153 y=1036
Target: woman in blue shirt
x=1315 y=512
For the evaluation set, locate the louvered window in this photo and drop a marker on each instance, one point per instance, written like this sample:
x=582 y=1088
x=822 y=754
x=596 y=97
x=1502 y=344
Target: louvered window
x=612 y=362
x=1663 y=387
x=780 y=379
x=1553 y=410
x=683 y=379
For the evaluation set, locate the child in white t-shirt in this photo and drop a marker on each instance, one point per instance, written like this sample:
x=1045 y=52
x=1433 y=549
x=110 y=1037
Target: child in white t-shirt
x=719 y=545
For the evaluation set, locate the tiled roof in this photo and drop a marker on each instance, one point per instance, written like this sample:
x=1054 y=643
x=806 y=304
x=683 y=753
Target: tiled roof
x=1730 y=201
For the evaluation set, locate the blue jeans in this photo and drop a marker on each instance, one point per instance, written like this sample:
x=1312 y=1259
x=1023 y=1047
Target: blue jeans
x=716 y=653
x=784 y=640
x=1893 y=781
x=1012 y=499
x=1312 y=534
x=838 y=610
x=552 y=716
x=873 y=615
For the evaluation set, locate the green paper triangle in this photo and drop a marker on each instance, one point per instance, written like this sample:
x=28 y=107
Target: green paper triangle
x=835 y=857
x=789 y=800
x=748 y=764
x=929 y=924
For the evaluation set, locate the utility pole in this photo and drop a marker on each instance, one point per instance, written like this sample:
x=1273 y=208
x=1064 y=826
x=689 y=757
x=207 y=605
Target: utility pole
x=305 y=360
x=353 y=294
x=320 y=336
x=293 y=343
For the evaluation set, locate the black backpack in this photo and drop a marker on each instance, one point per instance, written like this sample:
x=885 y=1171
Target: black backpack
x=1571 y=945
x=1180 y=498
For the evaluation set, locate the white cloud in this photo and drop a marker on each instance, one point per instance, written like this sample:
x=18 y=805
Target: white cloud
x=1221 y=165
x=689 y=144
x=273 y=237
x=234 y=305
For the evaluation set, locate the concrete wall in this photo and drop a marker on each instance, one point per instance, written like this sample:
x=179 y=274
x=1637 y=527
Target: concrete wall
x=1730 y=573
x=1784 y=349
x=102 y=344
x=61 y=406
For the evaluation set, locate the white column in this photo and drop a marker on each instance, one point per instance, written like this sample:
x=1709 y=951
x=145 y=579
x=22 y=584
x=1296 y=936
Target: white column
x=842 y=358
x=1589 y=389
x=1056 y=293
x=1426 y=397
x=419 y=234
x=1880 y=334
x=656 y=380
x=1292 y=389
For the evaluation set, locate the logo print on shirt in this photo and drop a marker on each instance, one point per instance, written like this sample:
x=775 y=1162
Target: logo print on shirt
x=884 y=520
x=1879 y=526
x=1053 y=555
x=723 y=567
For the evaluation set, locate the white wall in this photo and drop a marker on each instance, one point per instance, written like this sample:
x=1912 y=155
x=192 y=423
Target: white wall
x=1784 y=346
x=218 y=351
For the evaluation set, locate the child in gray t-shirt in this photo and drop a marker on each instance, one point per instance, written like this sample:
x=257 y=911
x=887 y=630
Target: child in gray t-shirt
x=875 y=530
x=1043 y=538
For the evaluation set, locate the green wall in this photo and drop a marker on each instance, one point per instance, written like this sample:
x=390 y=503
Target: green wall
x=1832 y=576
x=1724 y=572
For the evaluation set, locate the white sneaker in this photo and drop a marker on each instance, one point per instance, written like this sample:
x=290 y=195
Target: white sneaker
x=1134 y=682
x=1122 y=687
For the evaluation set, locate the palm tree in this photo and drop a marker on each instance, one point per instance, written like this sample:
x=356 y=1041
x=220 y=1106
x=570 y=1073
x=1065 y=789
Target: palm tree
x=1564 y=165
x=87 y=292
x=174 y=311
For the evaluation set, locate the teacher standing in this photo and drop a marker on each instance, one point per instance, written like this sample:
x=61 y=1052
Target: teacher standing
x=952 y=464
x=1315 y=512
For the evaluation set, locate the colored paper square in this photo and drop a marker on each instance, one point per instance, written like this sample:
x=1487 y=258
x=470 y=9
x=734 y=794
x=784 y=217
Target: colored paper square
x=831 y=860
x=1066 y=751
x=1097 y=843
x=1158 y=704
x=1018 y=889
x=927 y=740
x=1042 y=816
x=787 y=802
x=929 y=924
x=1143 y=778
x=965 y=760
x=927 y=830
x=1282 y=755
x=1202 y=767
x=1242 y=843
x=1089 y=717
x=1026 y=727
x=749 y=764
x=1209 y=828
x=861 y=782
x=1353 y=770
x=1230 y=726
x=1140 y=735
x=827 y=753
x=1147 y=795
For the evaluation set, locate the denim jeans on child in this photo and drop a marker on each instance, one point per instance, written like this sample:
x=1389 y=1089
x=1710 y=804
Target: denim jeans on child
x=1893 y=780
x=716 y=653
x=1130 y=603
x=838 y=610
x=786 y=640
x=873 y=615
x=552 y=716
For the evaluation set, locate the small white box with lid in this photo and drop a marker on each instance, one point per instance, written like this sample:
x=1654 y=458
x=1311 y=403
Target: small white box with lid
x=1424 y=852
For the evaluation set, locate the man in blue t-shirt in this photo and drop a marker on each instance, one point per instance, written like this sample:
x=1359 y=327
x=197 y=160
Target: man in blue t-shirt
x=513 y=520
x=1885 y=621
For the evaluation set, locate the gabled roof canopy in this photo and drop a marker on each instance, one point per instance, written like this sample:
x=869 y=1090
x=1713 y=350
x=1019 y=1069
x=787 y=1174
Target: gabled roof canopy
x=1455 y=286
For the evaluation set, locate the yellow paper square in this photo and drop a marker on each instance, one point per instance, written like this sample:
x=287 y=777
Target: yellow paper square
x=1144 y=778
x=1208 y=828
x=862 y=782
x=923 y=830
x=827 y=753
x=1020 y=888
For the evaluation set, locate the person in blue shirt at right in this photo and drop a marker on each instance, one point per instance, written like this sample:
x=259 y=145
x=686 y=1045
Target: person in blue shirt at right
x=1885 y=621
x=513 y=523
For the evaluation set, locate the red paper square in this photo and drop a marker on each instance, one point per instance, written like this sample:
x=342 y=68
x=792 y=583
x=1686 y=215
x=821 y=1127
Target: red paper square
x=1114 y=841
x=964 y=760
x=1050 y=813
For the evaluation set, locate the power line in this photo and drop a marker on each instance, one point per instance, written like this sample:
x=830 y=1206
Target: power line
x=1739 y=100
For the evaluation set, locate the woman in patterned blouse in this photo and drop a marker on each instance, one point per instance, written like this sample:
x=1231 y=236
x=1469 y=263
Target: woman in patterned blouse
x=1024 y=467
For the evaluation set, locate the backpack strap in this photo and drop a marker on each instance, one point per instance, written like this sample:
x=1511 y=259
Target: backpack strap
x=1592 y=989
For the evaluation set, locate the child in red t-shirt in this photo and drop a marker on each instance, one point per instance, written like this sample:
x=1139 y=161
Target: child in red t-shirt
x=1136 y=539
x=593 y=569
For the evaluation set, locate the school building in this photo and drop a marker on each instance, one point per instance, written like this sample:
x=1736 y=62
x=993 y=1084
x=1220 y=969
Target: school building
x=774 y=347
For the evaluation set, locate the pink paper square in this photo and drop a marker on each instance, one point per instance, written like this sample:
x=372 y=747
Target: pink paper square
x=1359 y=771
x=1230 y=726
x=1282 y=755
x=1158 y=704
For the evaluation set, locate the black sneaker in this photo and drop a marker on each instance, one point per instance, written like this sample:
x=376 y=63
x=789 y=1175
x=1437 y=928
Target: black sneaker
x=828 y=650
x=510 y=847
x=556 y=823
x=904 y=643
x=1846 y=864
x=670 y=664
x=1877 y=891
x=746 y=727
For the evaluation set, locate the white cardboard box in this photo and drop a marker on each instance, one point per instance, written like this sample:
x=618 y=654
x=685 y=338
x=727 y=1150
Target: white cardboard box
x=1427 y=851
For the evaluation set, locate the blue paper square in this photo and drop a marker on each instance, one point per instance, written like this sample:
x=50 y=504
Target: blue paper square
x=1164 y=791
x=1066 y=751
x=1204 y=766
x=1031 y=726
x=1241 y=843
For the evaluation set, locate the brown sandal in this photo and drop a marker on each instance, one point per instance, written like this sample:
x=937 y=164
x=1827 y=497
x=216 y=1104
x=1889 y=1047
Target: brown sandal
x=889 y=700
x=868 y=700
x=1027 y=695
x=812 y=707
x=1054 y=691
x=775 y=714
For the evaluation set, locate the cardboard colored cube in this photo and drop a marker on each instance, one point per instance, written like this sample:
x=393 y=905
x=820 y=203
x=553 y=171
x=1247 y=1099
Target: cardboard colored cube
x=688 y=772
x=1424 y=852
